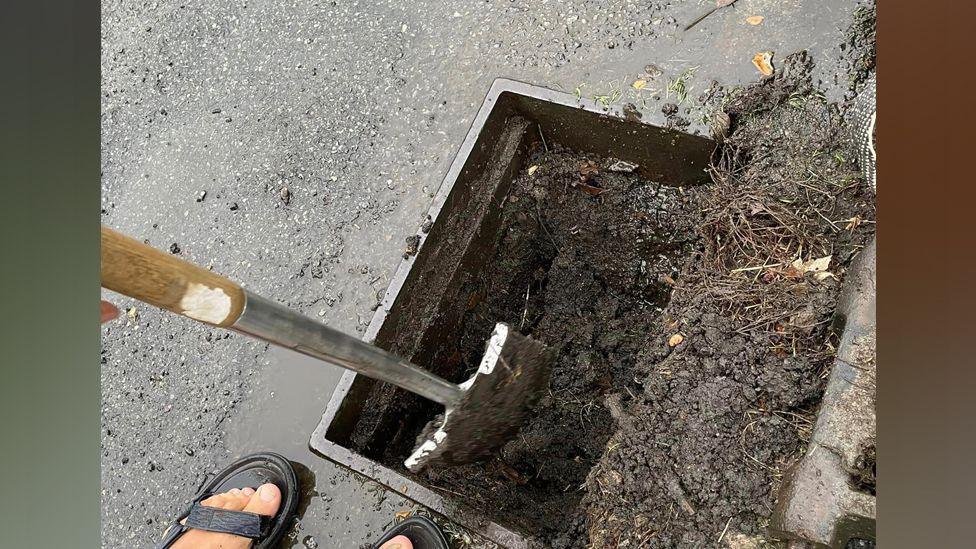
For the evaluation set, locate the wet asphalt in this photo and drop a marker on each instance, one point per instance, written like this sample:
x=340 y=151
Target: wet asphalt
x=292 y=146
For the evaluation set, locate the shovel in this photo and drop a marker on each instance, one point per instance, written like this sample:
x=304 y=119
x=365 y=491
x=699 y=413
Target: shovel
x=480 y=416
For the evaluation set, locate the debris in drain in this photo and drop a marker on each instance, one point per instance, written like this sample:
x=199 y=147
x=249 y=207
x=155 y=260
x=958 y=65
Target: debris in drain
x=623 y=166
x=640 y=443
x=719 y=125
x=583 y=275
x=587 y=170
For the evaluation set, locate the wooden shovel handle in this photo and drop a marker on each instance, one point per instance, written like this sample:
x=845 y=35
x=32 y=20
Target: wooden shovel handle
x=158 y=278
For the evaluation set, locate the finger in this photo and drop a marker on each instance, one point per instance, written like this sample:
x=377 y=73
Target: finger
x=109 y=311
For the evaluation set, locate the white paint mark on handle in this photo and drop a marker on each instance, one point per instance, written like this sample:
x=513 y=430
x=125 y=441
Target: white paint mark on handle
x=205 y=303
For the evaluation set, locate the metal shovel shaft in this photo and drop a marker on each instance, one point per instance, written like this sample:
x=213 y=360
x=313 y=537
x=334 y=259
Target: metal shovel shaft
x=280 y=325
x=140 y=271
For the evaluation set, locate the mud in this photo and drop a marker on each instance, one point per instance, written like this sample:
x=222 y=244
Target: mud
x=710 y=425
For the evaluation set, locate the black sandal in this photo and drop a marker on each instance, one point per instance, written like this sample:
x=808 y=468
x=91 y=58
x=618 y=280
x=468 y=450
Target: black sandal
x=249 y=471
x=421 y=531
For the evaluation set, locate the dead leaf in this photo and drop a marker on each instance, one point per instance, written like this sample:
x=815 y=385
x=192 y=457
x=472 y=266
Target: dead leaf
x=532 y=169
x=764 y=62
x=132 y=313
x=588 y=169
x=755 y=19
x=639 y=84
x=668 y=280
x=820 y=277
x=402 y=515
x=591 y=190
x=675 y=340
x=813 y=266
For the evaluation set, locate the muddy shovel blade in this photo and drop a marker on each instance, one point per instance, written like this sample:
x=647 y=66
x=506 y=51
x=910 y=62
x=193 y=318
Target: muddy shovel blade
x=497 y=400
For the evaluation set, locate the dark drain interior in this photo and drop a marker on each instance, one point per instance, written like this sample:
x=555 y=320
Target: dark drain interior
x=582 y=257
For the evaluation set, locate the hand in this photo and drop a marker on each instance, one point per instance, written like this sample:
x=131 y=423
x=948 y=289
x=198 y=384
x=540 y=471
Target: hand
x=109 y=311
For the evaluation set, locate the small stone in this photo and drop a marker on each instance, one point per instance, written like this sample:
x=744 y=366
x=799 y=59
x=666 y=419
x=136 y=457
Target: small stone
x=125 y=460
x=188 y=451
x=202 y=196
x=174 y=248
x=611 y=44
x=234 y=207
x=310 y=542
x=669 y=109
x=285 y=195
x=426 y=225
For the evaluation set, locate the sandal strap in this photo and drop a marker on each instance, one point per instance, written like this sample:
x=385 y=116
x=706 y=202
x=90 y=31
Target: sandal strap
x=238 y=523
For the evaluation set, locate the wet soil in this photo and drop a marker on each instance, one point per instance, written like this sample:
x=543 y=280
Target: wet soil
x=583 y=265
x=586 y=252
x=703 y=438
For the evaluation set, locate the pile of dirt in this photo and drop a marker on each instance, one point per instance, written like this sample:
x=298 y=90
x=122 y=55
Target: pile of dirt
x=711 y=423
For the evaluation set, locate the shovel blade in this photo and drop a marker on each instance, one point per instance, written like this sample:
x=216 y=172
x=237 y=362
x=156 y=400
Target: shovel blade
x=498 y=399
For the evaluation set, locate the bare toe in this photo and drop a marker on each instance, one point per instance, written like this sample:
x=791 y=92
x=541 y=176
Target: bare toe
x=399 y=542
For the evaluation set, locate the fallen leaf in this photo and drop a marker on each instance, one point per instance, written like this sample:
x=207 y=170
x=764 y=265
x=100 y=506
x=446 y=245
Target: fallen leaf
x=532 y=169
x=755 y=19
x=587 y=169
x=819 y=266
x=668 y=280
x=402 y=515
x=639 y=84
x=591 y=190
x=675 y=340
x=132 y=313
x=814 y=265
x=764 y=62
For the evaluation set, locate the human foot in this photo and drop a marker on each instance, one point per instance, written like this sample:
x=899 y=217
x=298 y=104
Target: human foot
x=263 y=501
x=399 y=542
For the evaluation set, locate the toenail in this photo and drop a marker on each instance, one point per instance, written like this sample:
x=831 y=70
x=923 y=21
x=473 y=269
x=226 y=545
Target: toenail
x=235 y=491
x=267 y=492
x=248 y=491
